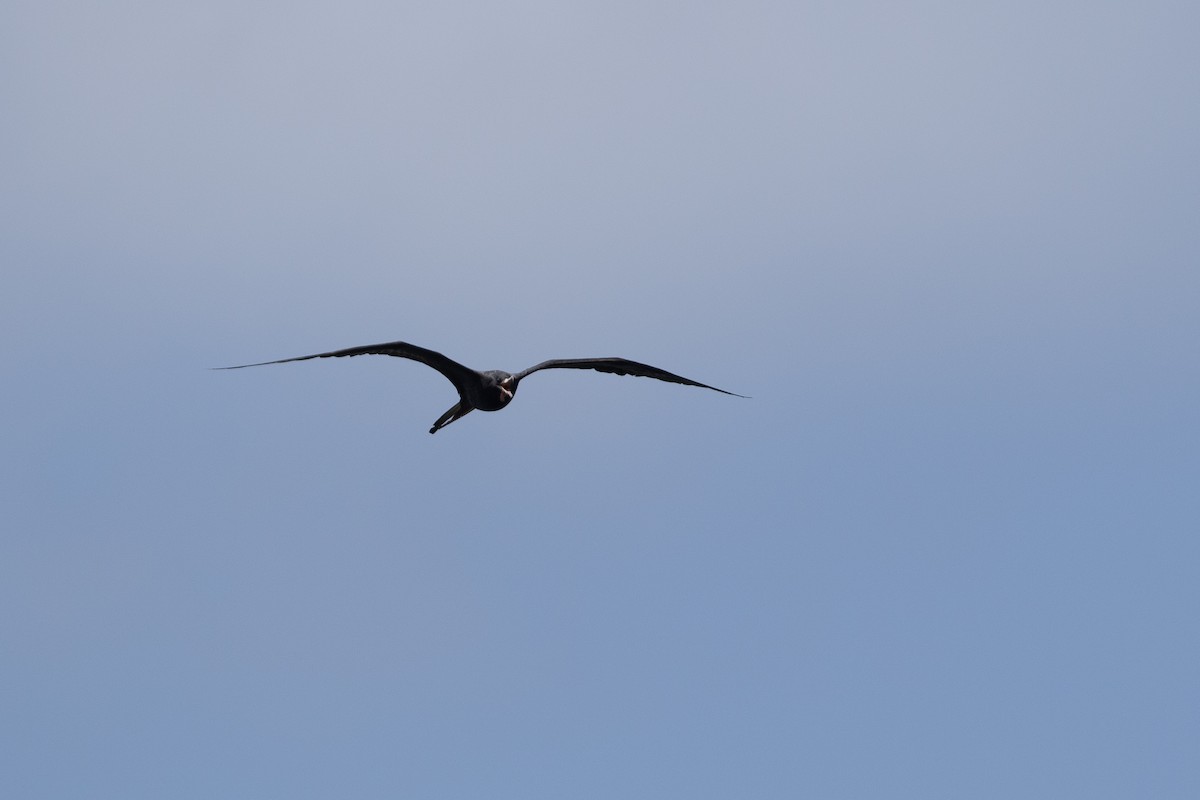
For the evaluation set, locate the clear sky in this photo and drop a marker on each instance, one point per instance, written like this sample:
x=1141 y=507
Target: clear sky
x=948 y=550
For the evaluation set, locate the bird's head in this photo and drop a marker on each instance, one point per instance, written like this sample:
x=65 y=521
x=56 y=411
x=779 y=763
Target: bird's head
x=496 y=391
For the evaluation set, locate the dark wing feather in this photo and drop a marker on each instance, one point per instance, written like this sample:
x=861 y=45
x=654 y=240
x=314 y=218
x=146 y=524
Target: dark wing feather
x=459 y=375
x=619 y=366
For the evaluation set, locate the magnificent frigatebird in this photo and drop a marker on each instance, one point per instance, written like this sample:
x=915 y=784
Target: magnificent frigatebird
x=494 y=389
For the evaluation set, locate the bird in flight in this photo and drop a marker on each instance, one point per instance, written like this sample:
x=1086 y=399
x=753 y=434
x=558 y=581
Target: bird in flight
x=494 y=389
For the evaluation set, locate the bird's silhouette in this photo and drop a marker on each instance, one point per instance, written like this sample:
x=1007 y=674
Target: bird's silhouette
x=494 y=389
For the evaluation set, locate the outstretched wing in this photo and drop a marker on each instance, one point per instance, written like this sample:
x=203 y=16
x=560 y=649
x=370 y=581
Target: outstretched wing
x=619 y=366
x=460 y=376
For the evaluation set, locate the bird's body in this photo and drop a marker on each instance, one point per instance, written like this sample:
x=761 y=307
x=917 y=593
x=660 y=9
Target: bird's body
x=494 y=389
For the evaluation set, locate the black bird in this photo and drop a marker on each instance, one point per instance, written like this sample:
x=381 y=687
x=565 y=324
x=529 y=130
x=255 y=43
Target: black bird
x=494 y=389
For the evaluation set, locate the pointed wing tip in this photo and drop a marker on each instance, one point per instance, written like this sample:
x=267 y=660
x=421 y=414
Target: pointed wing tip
x=260 y=363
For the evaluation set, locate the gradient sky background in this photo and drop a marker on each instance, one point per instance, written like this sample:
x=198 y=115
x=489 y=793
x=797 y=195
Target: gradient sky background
x=948 y=550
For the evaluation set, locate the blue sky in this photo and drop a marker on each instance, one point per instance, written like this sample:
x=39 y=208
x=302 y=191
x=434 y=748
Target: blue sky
x=947 y=550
